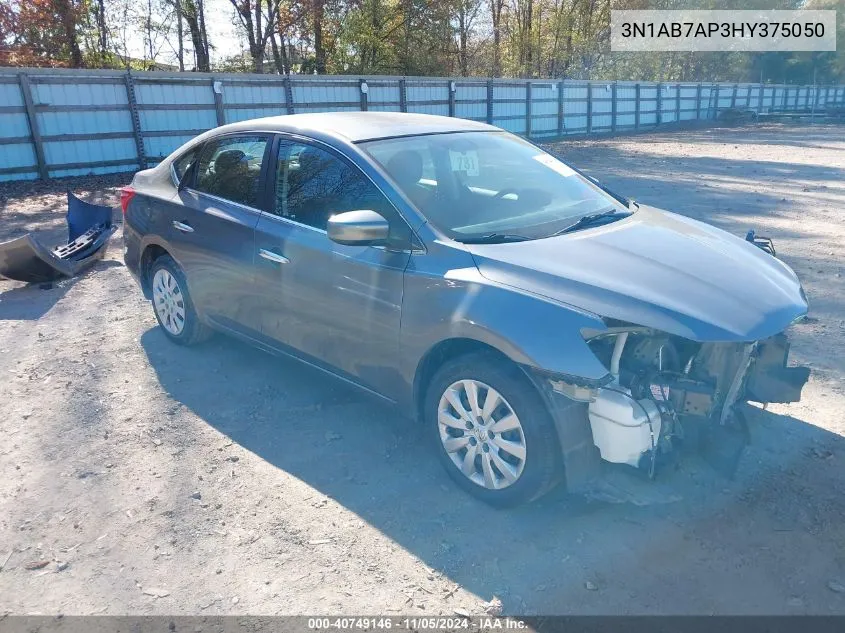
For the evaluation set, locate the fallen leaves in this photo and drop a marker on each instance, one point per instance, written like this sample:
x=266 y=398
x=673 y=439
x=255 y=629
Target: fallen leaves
x=36 y=564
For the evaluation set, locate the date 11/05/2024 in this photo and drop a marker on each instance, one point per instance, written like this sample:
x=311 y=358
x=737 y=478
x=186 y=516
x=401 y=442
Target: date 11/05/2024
x=432 y=623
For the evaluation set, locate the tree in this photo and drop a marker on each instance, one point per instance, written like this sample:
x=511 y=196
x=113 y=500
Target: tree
x=259 y=19
x=194 y=14
x=42 y=32
x=318 y=12
x=466 y=14
x=497 y=7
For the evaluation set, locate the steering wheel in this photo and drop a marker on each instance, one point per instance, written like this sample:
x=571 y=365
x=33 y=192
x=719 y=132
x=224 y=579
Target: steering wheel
x=501 y=194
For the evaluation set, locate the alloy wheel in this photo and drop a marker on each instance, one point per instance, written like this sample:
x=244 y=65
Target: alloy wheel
x=481 y=433
x=169 y=302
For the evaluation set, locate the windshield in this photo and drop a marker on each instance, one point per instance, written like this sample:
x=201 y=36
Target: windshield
x=475 y=184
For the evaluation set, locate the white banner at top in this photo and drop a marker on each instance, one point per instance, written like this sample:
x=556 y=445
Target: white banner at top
x=723 y=30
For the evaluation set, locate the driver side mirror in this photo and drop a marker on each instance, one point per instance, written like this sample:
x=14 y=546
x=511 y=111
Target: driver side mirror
x=358 y=228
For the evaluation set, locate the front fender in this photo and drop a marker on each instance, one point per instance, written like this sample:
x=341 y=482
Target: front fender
x=531 y=330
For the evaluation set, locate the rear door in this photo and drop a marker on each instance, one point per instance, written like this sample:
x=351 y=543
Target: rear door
x=214 y=231
x=339 y=305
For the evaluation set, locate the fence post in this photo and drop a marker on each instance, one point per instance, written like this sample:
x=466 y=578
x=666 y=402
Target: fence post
x=797 y=94
x=453 y=86
x=678 y=103
x=717 y=101
x=589 y=107
x=560 y=113
x=403 y=96
x=218 y=101
x=698 y=102
x=613 y=108
x=637 y=106
x=364 y=88
x=136 y=121
x=733 y=96
x=528 y=109
x=490 y=101
x=34 y=131
x=760 y=91
x=288 y=94
x=658 y=118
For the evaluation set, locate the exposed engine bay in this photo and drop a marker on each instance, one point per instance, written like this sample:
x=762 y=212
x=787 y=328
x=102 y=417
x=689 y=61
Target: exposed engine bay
x=668 y=391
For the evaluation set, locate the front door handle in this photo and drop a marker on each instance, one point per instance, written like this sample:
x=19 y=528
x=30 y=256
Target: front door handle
x=273 y=257
x=181 y=226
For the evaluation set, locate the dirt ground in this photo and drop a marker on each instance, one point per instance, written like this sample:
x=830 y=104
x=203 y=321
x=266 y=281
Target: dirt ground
x=138 y=477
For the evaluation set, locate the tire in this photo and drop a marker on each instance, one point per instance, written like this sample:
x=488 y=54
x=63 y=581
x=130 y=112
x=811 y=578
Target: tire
x=176 y=315
x=541 y=465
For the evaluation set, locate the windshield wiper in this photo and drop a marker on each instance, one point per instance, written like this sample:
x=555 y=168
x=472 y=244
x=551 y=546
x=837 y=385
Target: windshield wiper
x=493 y=238
x=587 y=220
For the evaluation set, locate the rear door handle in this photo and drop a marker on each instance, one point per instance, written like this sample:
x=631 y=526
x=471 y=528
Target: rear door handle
x=273 y=257
x=181 y=226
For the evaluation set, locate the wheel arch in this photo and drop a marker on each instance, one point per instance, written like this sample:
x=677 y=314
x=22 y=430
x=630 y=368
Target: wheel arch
x=151 y=253
x=572 y=428
x=439 y=354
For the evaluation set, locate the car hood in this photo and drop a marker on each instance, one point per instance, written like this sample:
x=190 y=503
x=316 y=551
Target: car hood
x=659 y=270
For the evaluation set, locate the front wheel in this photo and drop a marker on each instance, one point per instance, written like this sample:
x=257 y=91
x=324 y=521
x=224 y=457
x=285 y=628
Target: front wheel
x=494 y=435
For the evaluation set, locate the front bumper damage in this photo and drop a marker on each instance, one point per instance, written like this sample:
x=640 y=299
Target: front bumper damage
x=665 y=392
x=668 y=393
x=666 y=396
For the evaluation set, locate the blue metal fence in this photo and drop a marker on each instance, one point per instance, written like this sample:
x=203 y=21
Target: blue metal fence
x=57 y=123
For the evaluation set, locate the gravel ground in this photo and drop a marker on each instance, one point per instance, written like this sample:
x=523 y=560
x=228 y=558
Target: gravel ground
x=137 y=477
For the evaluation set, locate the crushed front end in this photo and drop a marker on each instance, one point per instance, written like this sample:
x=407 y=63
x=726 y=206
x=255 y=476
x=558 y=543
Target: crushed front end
x=669 y=392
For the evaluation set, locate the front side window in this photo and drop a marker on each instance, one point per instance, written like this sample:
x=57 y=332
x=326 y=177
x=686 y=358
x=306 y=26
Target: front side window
x=313 y=184
x=230 y=168
x=472 y=184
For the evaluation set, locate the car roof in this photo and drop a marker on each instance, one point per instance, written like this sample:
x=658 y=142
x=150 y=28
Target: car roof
x=360 y=126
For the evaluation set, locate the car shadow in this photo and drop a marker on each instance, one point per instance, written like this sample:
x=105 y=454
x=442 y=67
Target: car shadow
x=30 y=302
x=621 y=544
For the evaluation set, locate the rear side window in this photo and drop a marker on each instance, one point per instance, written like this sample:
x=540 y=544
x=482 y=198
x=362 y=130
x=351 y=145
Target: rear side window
x=230 y=168
x=181 y=164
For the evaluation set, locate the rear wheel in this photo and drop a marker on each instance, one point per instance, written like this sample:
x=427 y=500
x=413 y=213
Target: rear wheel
x=493 y=433
x=172 y=304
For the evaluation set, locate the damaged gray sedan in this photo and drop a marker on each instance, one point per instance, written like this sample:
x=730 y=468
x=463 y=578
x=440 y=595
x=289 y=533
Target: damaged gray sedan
x=532 y=321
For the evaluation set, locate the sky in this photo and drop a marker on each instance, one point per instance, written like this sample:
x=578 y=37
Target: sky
x=221 y=31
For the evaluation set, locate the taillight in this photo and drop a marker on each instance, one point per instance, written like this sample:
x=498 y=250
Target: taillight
x=126 y=195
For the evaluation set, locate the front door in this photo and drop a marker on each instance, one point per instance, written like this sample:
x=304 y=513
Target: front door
x=214 y=228
x=339 y=305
